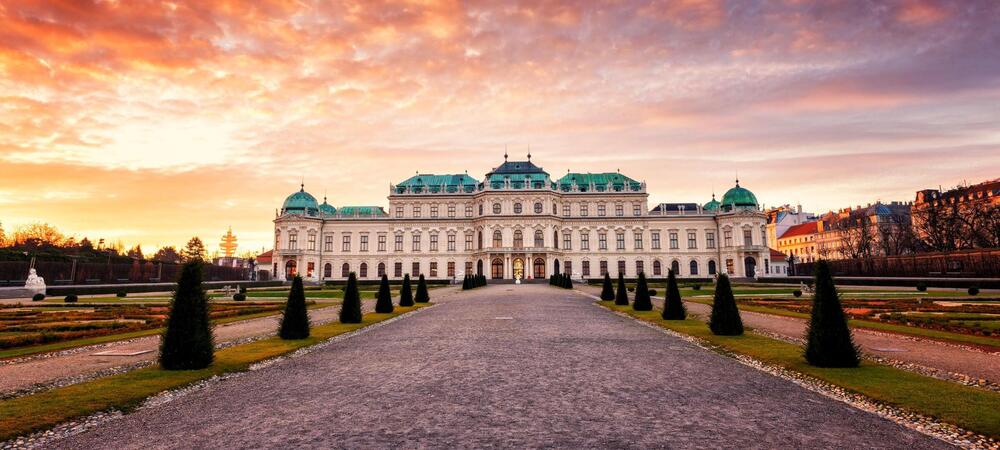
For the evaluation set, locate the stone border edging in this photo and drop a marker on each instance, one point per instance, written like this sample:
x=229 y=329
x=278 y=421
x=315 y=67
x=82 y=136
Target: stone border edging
x=46 y=437
x=942 y=431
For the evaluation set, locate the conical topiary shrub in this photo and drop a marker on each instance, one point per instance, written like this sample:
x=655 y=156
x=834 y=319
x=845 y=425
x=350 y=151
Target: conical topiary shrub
x=567 y=282
x=642 y=301
x=295 y=318
x=828 y=340
x=384 y=303
x=406 y=292
x=607 y=291
x=725 y=319
x=187 y=342
x=621 y=297
x=673 y=307
x=422 y=295
x=350 y=311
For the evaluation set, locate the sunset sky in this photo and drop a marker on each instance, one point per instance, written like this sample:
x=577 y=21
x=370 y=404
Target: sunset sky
x=152 y=122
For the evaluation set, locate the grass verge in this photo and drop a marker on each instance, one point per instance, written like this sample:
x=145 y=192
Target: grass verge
x=65 y=345
x=970 y=408
x=31 y=413
x=947 y=336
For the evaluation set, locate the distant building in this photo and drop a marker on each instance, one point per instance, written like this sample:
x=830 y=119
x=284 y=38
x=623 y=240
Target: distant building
x=517 y=223
x=264 y=265
x=959 y=218
x=779 y=264
x=799 y=242
x=879 y=229
x=781 y=218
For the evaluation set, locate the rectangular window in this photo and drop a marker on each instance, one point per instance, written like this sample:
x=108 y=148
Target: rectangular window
x=312 y=241
x=584 y=210
x=568 y=270
x=415 y=243
x=399 y=212
x=621 y=267
x=584 y=240
x=381 y=270
x=585 y=268
x=398 y=270
x=710 y=239
x=364 y=242
x=602 y=241
x=415 y=269
x=638 y=240
x=416 y=210
x=567 y=240
x=434 y=242
x=468 y=210
x=381 y=242
x=763 y=238
x=451 y=210
x=692 y=239
x=639 y=268
x=434 y=211
x=619 y=210
x=434 y=269
x=451 y=242
x=747 y=237
x=604 y=268
x=729 y=267
x=602 y=209
x=451 y=269
x=728 y=237
x=293 y=241
x=346 y=244
x=310 y=268
x=328 y=243
x=674 y=244
x=637 y=210
x=398 y=244
x=468 y=242
x=468 y=267
x=620 y=241
x=566 y=210
x=656 y=240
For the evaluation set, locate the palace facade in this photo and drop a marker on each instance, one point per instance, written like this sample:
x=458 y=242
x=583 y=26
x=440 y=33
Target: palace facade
x=519 y=223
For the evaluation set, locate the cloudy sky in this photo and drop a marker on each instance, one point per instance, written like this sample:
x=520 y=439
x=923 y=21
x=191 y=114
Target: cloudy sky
x=155 y=121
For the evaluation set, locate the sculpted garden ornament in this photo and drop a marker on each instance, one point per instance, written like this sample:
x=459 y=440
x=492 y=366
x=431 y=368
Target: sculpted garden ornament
x=34 y=283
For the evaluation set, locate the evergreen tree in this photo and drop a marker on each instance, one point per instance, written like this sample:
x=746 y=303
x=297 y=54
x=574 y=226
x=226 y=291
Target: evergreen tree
x=384 y=302
x=187 y=342
x=295 y=318
x=607 y=292
x=194 y=250
x=567 y=282
x=642 y=301
x=828 y=340
x=406 y=292
x=422 y=295
x=725 y=320
x=621 y=297
x=350 y=310
x=673 y=307
x=465 y=283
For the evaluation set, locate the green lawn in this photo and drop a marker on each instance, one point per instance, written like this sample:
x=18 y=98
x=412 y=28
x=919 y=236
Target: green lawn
x=40 y=411
x=64 y=345
x=940 y=335
x=970 y=408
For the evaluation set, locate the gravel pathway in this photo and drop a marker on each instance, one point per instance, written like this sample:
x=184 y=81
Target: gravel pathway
x=509 y=366
x=956 y=362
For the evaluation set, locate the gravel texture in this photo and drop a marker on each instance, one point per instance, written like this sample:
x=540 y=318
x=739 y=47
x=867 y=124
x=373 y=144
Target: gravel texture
x=561 y=373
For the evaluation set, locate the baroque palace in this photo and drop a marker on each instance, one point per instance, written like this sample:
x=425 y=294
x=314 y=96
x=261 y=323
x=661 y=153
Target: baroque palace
x=518 y=223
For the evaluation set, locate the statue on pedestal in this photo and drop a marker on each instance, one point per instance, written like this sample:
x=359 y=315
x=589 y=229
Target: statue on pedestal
x=35 y=283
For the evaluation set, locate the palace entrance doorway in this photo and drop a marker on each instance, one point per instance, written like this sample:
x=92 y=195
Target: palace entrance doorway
x=496 y=269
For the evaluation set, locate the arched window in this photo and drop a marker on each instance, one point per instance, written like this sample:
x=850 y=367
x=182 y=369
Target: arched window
x=381 y=269
x=657 y=268
x=328 y=270
x=496 y=269
x=291 y=269
x=480 y=241
x=497 y=239
x=517 y=208
x=480 y=209
x=539 y=266
x=345 y=270
x=694 y=267
x=538 y=207
x=364 y=270
x=555 y=238
x=555 y=208
x=539 y=239
x=711 y=268
x=676 y=268
x=496 y=208
x=518 y=239
x=277 y=238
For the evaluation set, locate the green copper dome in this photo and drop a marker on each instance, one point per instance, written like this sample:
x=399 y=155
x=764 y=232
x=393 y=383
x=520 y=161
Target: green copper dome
x=300 y=202
x=712 y=205
x=738 y=197
x=327 y=208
